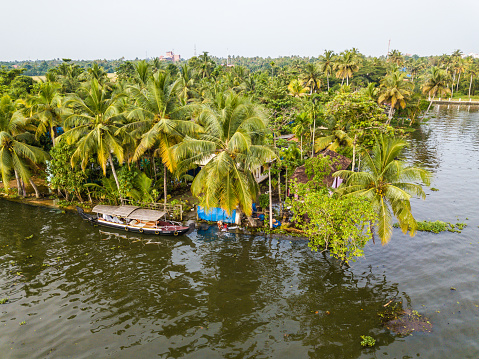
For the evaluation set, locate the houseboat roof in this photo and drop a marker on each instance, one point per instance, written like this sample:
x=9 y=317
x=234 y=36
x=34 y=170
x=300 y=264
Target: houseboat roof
x=121 y=211
x=131 y=212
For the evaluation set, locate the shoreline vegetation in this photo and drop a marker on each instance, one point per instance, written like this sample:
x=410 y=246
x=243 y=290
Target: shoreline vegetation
x=296 y=144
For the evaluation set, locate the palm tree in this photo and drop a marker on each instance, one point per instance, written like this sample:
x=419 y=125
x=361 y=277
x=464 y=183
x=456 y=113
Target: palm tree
x=395 y=57
x=395 y=90
x=387 y=183
x=15 y=155
x=371 y=91
x=205 y=64
x=48 y=109
x=186 y=84
x=142 y=72
x=311 y=77
x=337 y=138
x=156 y=120
x=296 y=88
x=327 y=64
x=346 y=66
x=472 y=70
x=230 y=149
x=93 y=127
x=436 y=84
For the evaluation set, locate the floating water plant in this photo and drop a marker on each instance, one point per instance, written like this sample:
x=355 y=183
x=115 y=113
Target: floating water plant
x=3 y=301
x=367 y=341
x=404 y=321
x=438 y=226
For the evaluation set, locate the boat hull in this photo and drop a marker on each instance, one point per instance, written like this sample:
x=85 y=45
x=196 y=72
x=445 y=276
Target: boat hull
x=170 y=230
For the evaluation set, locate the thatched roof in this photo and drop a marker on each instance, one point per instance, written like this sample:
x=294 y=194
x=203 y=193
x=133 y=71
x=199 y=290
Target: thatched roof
x=339 y=163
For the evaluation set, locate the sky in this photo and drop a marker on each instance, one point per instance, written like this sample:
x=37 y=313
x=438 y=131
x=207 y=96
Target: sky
x=112 y=29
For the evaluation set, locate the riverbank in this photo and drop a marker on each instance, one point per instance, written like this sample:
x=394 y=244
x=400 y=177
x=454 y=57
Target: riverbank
x=189 y=218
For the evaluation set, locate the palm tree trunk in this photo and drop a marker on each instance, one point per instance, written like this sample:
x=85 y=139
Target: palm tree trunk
x=314 y=131
x=470 y=85
x=458 y=80
x=270 y=200
x=154 y=166
x=347 y=80
x=354 y=151
x=52 y=134
x=428 y=107
x=37 y=192
x=327 y=77
x=286 y=182
x=24 y=191
x=19 y=188
x=452 y=87
x=279 y=189
x=115 y=176
x=164 y=187
x=302 y=147
x=390 y=115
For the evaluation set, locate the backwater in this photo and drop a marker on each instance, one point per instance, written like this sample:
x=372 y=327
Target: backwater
x=78 y=291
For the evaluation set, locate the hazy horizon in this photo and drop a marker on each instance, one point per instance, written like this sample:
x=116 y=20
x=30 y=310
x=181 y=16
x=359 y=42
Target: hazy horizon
x=106 y=29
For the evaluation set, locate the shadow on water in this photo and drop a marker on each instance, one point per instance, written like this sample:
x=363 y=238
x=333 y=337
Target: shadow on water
x=85 y=292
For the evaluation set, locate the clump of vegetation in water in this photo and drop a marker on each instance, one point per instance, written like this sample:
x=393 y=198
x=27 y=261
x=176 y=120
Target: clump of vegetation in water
x=438 y=226
x=3 y=301
x=367 y=341
x=404 y=321
x=434 y=189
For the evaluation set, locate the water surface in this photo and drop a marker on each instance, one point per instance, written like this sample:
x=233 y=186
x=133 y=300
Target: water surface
x=84 y=292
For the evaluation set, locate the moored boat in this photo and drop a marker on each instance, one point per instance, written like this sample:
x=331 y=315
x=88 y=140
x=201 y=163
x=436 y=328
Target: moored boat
x=133 y=219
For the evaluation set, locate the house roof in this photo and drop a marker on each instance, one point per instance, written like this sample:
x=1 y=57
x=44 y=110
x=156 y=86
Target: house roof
x=341 y=163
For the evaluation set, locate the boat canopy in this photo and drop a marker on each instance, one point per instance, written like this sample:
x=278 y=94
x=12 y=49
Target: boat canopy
x=142 y=214
x=130 y=212
x=120 y=211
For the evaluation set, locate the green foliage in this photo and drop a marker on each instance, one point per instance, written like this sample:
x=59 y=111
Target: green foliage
x=4 y=300
x=340 y=225
x=317 y=168
x=438 y=226
x=263 y=200
x=367 y=341
x=61 y=175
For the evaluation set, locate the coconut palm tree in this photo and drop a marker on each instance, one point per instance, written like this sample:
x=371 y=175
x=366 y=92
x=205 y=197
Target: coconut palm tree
x=230 y=149
x=436 y=84
x=395 y=57
x=311 y=77
x=156 y=120
x=346 y=65
x=394 y=90
x=472 y=70
x=371 y=91
x=93 y=127
x=48 y=110
x=388 y=184
x=327 y=64
x=16 y=157
x=186 y=85
x=296 y=88
x=337 y=138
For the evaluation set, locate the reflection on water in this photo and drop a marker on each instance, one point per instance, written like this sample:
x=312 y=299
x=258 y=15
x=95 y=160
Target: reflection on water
x=85 y=292
x=88 y=293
